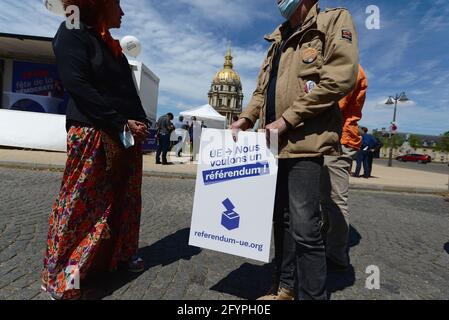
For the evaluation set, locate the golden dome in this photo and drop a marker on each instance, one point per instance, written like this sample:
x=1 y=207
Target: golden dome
x=227 y=74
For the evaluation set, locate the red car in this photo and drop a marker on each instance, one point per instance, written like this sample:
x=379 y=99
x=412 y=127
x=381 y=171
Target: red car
x=420 y=158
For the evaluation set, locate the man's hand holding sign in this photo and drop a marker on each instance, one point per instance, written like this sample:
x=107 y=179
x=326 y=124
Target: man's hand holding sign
x=234 y=194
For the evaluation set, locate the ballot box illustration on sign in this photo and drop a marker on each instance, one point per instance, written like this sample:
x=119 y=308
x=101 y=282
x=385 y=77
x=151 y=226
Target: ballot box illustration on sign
x=230 y=219
x=234 y=194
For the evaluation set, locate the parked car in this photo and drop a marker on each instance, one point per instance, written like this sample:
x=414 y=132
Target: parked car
x=420 y=158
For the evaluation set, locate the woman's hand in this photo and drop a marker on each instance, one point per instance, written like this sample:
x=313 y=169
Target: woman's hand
x=139 y=130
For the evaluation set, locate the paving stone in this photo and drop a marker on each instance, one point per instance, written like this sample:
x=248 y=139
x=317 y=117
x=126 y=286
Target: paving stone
x=404 y=235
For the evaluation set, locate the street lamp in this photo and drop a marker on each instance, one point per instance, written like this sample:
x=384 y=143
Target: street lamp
x=394 y=100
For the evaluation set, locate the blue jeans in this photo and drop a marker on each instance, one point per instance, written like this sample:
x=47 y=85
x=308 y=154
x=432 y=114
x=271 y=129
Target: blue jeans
x=299 y=248
x=363 y=157
x=162 y=147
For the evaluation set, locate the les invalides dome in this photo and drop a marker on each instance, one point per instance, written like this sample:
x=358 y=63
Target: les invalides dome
x=225 y=94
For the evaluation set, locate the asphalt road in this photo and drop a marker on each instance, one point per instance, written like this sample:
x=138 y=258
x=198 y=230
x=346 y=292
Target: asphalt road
x=430 y=167
x=405 y=236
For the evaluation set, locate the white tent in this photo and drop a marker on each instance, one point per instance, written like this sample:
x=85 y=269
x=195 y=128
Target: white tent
x=206 y=113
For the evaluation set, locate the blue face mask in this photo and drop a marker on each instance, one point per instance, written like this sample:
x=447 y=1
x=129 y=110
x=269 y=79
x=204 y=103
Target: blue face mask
x=288 y=7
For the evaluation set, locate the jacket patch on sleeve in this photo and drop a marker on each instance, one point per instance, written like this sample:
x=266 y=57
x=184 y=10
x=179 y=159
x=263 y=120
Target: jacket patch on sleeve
x=346 y=35
x=309 y=55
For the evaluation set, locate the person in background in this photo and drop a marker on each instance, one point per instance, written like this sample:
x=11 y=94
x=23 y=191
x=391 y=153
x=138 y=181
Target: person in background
x=95 y=221
x=191 y=126
x=164 y=129
x=335 y=179
x=375 y=154
x=180 y=124
x=368 y=145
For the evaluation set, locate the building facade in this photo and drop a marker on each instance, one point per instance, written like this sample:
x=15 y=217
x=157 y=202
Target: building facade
x=225 y=94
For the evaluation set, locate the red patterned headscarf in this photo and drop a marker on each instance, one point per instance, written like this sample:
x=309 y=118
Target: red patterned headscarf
x=95 y=14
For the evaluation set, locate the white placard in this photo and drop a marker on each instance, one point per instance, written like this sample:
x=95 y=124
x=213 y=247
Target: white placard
x=234 y=194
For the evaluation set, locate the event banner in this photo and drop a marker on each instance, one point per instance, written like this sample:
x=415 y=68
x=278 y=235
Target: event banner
x=36 y=87
x=150 y=144
x=35 y=78
x=234 y=194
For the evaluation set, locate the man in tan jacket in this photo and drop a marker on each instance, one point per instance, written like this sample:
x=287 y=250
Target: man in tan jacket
x=311 y=65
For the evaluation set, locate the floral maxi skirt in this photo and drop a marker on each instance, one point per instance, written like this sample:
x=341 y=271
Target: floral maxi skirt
x=95 y=206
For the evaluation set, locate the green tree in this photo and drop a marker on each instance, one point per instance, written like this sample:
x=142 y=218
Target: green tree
x=379 y=136
x=443 y=144
x=397 y=141
x=415 y=142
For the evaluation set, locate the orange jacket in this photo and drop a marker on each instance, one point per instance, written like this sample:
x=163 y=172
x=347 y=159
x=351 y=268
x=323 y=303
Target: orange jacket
x=351 y=108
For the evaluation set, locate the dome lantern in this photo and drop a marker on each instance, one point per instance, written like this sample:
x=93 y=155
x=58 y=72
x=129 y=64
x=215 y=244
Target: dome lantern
x=227 y=75
x=228 y=60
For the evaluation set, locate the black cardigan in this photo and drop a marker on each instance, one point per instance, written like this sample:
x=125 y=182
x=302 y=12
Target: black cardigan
x=101 y=86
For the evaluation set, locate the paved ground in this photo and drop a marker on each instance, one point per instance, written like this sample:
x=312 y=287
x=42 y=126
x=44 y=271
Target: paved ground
x=430 y=167
x=406 y=236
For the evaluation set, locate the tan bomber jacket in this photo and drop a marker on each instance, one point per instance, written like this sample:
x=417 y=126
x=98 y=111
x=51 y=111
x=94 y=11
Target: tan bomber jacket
x=322 y=54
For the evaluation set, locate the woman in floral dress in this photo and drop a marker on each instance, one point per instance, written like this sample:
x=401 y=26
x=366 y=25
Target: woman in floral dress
x=94 y=223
